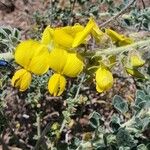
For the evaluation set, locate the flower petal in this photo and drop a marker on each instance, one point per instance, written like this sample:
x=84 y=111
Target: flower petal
x=62 y=38
x=25 y=81
x=40 y=63
x=81 y=36
x=21 y=79
x=25 y=51
x=57 y=59
x=96 y=32
x=16 y=78
x=56 y=84
x=117 y=38
x=73 y=66
x=47 y=36
x=104 y=79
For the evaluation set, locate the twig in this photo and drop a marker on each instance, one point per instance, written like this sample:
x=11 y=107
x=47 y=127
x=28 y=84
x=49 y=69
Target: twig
x=76 y=96
x=46 y=129
x=117 y=15
x=71 y=13
x=143 y=3
x=38 y=125
x=139 y=28
x=4 y=146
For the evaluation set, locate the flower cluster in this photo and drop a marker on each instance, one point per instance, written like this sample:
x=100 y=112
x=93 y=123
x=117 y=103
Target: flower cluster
x=57 y=50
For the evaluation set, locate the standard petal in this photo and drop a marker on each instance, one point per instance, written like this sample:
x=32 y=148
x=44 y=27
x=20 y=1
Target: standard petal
x=62 y=38
x=57 y=59
x=73 y=30
x=47 y=36
x=97 y=33
x=56 y=84
x=40 y=63
x=104 y=79
x=73 y=66
x=81 y=36
x=25 y=51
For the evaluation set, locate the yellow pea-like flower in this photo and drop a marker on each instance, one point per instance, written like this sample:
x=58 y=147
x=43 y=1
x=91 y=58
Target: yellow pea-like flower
x=64 y=63
x=136 y=60
x=118 y=39
x=21 y=79
x=104 y=79
x=33 y=57
x=56 y=84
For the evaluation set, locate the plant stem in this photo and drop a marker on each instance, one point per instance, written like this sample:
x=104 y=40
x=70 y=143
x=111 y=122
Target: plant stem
x=71 y=13
x=76 y=96
x=38 y=125
x=121 y=49
x=46 y=129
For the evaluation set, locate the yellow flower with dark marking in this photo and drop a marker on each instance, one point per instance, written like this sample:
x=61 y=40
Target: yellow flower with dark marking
x=104 y=79
x=33 y=57
x=64 y=63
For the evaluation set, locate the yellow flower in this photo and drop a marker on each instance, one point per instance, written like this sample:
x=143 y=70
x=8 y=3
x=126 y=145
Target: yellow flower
x=21 y=79
x=136 y=60
x=118 y=39
x=70 y=36
x=64 y=64
x=104 y=79
x=60 y=37
x=33 y=57
x=56 y=84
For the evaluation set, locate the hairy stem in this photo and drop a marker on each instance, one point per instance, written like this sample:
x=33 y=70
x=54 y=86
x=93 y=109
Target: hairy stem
x=121 y=49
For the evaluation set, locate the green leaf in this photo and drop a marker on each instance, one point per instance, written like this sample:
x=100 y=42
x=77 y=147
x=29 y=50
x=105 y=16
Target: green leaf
x=140 y=94
x=124 y=138
x=96 y=119
x=141 y=147
x=120 y=104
